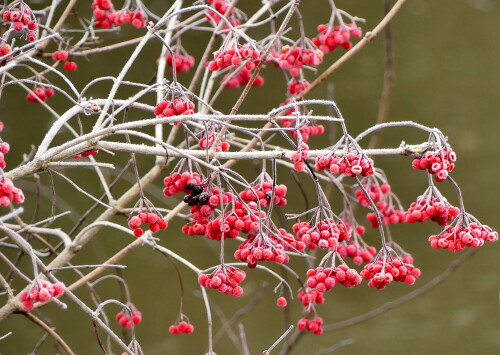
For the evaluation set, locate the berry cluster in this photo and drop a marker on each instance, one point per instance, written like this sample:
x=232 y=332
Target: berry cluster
x=456 y=238
x=225 y=279
x=233 y=57
x=261 y=247
x=325 y=234
x=208 y=141
x=330 y=38
x=297 y=86
x=435 y=209
x=309 y=297
x=294 y=58
x=222 y=6
x=177 y=107
x=106 y=16
x=375 y=191
x=41 y=292
x=9 y=193
x=313 y=325
x=263 y=192
x=304 y=132
x=60 y=55
x=182 y=62
x=389 y=214
x=155 y=223
x=39 y=94
x=438 y=163
x=300 y=156
x=181 y=328
x=23 y=20
x=323 y=279
x=351 y=164
x=240 y=79
x=381 y=273
x=126 y=320
x=86 y=153
x=70 y=66
x=185 y=182
x=358 y=252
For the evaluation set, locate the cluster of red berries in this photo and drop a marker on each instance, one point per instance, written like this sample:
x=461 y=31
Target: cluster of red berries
x=261 y=247
x=181 y=328
x=309 y=297
x=182 y=63
x=241 y=78
x=263 y=193
x=388 y=213
x=178 y=182
x=5 y=49
x=225 y=279
x=60 y=55
x=41 y=292
x=221 y=6
x=330 y=38
x=324 y=279
x=325 y=234
x=203 y=202
x=22 y=20
x=39 y=94
x=9 y=193
x=240 y=219
x=435 y=209
x=208 y=141
x=300 y=156
x=86 y=153
x=375 y=191
x=456 y=238
x=4 y=149
x=313 y=325
x=305 y=132
x=359 y=253
x=63 y=56
x=351 y=164
x=126 y=320
x=297 y=86
x=177 y=107
x=106 y=16
x=438 y=163
x=293 y=59
x=382 y=273
x=155 y=223
x=233 y=57
x=236 y=221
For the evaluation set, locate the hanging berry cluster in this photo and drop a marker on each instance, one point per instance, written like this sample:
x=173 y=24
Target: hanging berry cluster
x=40 y=291
x=383 y=272
x=225 y=279
x=22 y=19
x=329 y=39
x=241 y=78
x=128 y=321
x=153 y=220
x=262 y=192
x=182 y=328
x=106 y=16
x=233 y=57
x=39 y=94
